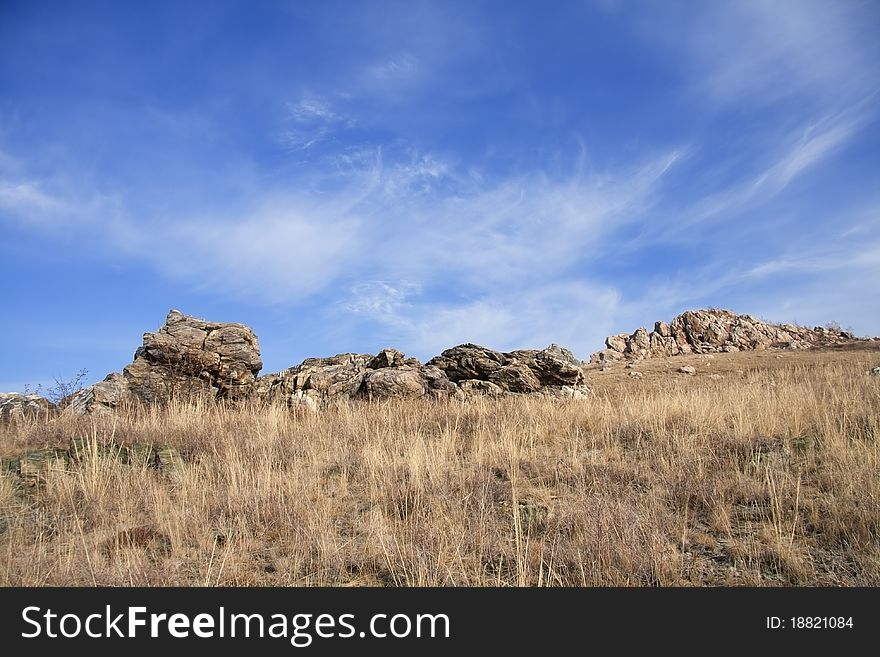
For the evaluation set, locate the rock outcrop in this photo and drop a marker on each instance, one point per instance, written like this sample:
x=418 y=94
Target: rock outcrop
x=23 y=405
x=186 y=357
x=104 y=396
x=473 y=366
x=318 y=382
x=714 y=330
x=463 y=371
x=191 y=357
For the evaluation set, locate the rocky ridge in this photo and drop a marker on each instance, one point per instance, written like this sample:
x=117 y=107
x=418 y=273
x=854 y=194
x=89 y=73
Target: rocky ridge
x=191 y=357
x=461 y=371
x=713 y=331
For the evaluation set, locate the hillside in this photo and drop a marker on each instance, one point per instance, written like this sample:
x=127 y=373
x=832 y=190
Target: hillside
x=759 y=468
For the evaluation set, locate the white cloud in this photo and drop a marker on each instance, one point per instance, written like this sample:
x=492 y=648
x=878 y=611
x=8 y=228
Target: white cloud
x=817 y=143
x=575 y=314
x=313 y=120
x=809 y=281
x=806 y=148
x=380 y=299
x=309 y=110
x=281 y=251
x=395 y=69
x=490 y=261
x=26 y=197
x=763 y=52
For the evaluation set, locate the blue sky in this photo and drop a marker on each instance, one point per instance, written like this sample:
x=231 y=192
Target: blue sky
x=345 y=176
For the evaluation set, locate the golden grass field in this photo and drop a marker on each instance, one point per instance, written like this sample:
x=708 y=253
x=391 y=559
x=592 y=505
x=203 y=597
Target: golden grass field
x=762 y=469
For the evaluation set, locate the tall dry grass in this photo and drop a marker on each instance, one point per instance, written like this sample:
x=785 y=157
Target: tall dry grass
x=766 y=477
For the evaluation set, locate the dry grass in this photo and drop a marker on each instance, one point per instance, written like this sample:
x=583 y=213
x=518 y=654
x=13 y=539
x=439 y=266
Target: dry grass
x=769 y=475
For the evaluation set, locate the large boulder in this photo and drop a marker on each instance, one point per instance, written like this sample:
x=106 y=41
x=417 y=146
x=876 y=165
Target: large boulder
x=469 y=361
x=516 y=377
x=393 y=382
x=224 y=356
x=21 y=405
x=187 y=357
x=521 y=371
x=553 y=366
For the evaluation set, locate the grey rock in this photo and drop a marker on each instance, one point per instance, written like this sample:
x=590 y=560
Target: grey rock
x=522 y=370
x=102 y=397
x=187 y=357
x=639 y=344
x=18 y=405
x=567 y=392
x=516 y=377
x=469 y=361
x=618 y=342
x=319 y=382
x=716 y=330
x=391 y=382
x=557 y=366
x=387 y=358
x=437 y=383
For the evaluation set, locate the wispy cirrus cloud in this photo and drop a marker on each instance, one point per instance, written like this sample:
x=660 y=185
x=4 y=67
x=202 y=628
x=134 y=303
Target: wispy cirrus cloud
x=311 y=121
x=767 y=52
x=576 y=313
x=398 y=68
x=772 y=171
x=28 y=198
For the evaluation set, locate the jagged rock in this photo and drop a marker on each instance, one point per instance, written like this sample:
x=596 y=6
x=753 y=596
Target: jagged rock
x=687 y=369
x=875 y=371
x=155 y=383
x=186 y=357
x=469 y=361
x=662 y=345
x=607 y=357
x=523 y=370
x=103 y=397
x=618 y=342
x=710 y=331
x=436 y=381
x=388 y=358
x=225 y=356
x=334 y=380
x=516 y=377
x=557 y=366
x=317 y=382
x=639 y=344
x=21 y=405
